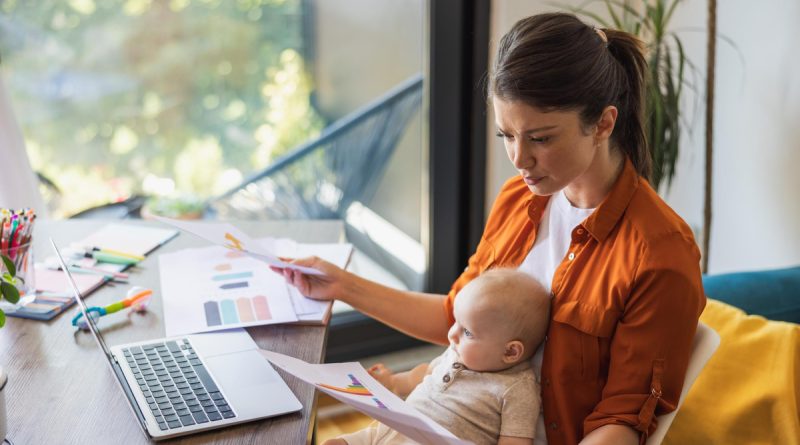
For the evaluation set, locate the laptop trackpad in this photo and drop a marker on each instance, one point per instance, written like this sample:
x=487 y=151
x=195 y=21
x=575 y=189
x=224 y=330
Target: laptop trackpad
x=250 y=384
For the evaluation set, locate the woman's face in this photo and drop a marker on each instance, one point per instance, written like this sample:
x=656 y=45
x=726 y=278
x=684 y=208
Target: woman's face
x=551 y=151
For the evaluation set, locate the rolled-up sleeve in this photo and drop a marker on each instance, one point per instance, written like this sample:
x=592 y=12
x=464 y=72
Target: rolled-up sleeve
x=652 y=342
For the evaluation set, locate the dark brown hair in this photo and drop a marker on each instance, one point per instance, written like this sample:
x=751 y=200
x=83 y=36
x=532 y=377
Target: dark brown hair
x=556 y=62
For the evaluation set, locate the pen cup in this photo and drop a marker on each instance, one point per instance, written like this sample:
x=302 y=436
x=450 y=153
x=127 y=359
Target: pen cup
x=24 y=279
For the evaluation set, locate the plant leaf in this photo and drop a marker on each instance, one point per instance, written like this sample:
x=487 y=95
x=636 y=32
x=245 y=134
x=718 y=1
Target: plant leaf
x=681 y=63
x=9 y=265
x=10 y=292
x=670 y=10
x=2 y=318
x=591 y=15
x=614 y=17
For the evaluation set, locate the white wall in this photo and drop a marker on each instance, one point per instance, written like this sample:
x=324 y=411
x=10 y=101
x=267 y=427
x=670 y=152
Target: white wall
x=756 y=208
x=757 y=137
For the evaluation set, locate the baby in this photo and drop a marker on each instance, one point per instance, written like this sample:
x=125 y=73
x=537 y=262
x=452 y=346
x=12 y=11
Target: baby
x=482 y=388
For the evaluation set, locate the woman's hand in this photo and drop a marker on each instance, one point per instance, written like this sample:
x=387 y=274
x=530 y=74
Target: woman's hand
x=327 y=286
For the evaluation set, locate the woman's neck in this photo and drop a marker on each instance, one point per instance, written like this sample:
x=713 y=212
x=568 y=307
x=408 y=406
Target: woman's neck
x=590 y=189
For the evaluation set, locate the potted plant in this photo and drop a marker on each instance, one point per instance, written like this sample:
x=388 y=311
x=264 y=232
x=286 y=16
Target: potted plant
x=8 y=286
x=649 y=20
x=8 y=291
x=178 y=206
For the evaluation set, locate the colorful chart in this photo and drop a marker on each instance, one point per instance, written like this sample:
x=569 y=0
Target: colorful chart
x=241 y=310
x=356 y=388
x=232 y=276
x=379 y=403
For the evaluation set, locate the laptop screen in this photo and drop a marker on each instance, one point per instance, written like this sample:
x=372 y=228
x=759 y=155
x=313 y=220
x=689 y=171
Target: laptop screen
x=99 y=338
x=84 y=309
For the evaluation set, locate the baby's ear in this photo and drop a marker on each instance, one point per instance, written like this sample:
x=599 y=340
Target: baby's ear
x=514 y=351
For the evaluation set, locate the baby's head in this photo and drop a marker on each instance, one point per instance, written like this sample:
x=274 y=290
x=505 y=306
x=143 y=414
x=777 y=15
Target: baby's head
x=501 y=318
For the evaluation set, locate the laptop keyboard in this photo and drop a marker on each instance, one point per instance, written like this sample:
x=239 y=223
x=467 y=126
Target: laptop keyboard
x=176 y=384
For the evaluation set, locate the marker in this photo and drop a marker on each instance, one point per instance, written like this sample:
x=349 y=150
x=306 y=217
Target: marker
x=116 y=276
x=109 y=258
x=117 y=253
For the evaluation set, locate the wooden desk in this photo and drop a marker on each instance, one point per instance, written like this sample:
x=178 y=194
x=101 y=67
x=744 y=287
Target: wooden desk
x=61 y=391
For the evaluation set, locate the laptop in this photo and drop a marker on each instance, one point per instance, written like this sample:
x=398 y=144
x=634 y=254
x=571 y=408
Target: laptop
x=183 y=385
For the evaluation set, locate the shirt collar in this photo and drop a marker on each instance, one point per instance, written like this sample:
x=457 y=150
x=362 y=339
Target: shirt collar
x=608 y=213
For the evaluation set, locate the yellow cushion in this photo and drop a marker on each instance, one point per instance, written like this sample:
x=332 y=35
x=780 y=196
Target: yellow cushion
x=749 y=392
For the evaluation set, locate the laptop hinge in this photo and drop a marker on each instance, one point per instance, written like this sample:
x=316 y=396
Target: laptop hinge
x=129 y=394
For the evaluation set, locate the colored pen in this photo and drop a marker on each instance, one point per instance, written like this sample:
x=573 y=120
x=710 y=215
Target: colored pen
x=117 y=276
x=4 y=240
x=109 y=258
x=118 y=253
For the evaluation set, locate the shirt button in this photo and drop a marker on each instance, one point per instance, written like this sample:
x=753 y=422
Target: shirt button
x=580 y=231
x=546 y=382
x=571 y=256
x=553 y=425
x=446 y=378
x=552 y=294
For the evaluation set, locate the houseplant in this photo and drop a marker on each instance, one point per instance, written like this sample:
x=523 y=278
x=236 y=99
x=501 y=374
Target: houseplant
x=178 y=206
x=8 y=286
x=667 y=63
x=8 y=291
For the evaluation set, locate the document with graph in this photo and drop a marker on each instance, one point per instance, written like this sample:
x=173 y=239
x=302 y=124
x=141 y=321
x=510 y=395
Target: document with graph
x=231 y=237
x=213 y=288
x=351 y=384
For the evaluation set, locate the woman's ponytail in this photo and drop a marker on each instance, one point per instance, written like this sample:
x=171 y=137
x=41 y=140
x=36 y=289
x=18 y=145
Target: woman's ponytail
x=631 y=136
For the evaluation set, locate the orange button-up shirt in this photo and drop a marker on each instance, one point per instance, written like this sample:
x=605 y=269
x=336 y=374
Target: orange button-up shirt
x=626 y=302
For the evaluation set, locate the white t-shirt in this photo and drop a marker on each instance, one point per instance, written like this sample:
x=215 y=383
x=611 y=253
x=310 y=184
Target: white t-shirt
x=552 y=242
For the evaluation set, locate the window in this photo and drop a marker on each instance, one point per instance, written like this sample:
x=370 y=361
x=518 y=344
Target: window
x=126 y=97
x=261 y=108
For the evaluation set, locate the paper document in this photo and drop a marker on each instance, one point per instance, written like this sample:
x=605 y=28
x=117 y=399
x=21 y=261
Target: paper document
x=308 y=310
x=229 y=236
x=129 y=238
x=350 y=383
x=213 y=288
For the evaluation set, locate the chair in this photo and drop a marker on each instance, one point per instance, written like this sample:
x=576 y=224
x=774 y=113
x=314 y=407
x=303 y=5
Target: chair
x=321 y=178
x=706 y=342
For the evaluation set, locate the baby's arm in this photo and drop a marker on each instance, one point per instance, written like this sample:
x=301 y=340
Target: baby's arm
x=401 y=383
x=508 y=440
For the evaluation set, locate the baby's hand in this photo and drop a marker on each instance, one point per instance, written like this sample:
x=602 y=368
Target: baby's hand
x=383 y=375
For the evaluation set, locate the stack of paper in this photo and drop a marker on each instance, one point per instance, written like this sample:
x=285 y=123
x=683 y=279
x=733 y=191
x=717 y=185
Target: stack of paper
x=228 y=286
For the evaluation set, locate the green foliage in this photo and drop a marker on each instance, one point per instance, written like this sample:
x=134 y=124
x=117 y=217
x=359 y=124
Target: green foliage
x=8 y=290
x=649 y=20
x=183 y=206
x=191 y=96
x=12 y=270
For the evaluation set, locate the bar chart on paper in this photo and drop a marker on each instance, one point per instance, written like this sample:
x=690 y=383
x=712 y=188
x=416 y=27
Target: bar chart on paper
x=241 y=310
x=213 y=288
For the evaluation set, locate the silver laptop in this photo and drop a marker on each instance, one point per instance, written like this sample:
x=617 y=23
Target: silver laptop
x=183 y=385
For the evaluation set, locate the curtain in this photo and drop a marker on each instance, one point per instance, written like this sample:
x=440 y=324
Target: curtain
x=18 y=183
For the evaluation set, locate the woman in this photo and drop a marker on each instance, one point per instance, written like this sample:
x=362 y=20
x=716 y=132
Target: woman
x=623 y=267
